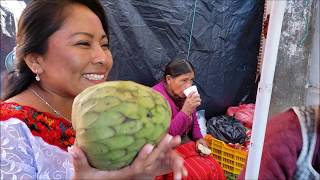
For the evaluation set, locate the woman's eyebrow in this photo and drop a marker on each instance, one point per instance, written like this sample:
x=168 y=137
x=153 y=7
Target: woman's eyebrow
x=87 y=34
x=104 y=37
x=82 y=33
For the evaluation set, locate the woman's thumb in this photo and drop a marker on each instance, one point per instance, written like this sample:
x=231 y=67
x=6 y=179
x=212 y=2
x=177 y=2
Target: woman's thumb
x=80 y=162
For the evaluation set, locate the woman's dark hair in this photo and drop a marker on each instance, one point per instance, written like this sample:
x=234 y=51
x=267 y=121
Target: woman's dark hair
x=38 y=21
x=178 y=67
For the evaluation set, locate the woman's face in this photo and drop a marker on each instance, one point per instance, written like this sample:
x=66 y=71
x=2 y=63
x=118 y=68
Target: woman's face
x=78 y=55
x=178 y=84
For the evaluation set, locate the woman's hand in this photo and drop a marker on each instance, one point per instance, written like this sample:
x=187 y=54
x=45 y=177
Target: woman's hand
x=162 y=160
x=150 y=162
x=204 y=143
x=192 y=101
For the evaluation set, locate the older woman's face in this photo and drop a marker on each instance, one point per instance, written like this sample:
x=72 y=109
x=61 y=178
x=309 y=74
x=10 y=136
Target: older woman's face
x=78 y=55
x=178 y=84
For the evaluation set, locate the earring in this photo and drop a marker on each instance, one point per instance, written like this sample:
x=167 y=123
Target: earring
x=37 y=76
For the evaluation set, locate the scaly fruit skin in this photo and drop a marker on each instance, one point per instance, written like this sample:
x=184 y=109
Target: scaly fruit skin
x=114 y=120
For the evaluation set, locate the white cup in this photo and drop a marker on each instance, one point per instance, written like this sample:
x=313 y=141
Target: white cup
x=190 y=90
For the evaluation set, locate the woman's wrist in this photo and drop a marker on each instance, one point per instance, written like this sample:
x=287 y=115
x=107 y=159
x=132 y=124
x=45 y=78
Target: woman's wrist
x=187 y=112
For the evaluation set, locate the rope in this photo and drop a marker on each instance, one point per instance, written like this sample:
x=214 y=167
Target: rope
x=262 y=42
x=191 y=31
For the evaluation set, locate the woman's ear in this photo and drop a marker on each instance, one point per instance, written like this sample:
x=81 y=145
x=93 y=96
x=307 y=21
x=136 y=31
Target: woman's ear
x=33 y=61
x=168 y=79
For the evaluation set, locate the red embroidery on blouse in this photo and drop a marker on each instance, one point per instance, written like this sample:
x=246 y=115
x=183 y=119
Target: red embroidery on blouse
x=54 y=130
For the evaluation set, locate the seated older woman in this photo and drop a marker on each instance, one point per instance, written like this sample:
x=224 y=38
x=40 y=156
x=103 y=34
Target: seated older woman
x=178 y=76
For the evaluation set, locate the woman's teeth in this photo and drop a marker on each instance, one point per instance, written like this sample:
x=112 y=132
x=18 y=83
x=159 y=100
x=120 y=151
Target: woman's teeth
x=94 y=77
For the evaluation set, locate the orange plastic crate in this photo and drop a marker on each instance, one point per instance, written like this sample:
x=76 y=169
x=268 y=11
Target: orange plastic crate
x=232 y=160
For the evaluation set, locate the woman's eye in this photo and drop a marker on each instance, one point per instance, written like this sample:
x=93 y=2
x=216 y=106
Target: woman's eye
x=105 y=46
x=83 y=43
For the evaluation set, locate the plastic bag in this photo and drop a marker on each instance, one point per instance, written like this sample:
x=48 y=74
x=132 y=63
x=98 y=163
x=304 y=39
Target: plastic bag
x=202 y=122
x=243 y=113
x=227 y=129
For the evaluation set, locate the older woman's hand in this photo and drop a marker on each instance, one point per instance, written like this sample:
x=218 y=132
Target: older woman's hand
x=192 y=101
x=204 y=143
x=149 y=163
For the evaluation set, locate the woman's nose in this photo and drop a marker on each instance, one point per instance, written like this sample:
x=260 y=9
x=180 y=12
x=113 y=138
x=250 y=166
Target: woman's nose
x=189 y=84
x=100 y=56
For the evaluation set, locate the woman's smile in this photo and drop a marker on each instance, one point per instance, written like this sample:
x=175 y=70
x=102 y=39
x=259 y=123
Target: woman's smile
x=96 y=78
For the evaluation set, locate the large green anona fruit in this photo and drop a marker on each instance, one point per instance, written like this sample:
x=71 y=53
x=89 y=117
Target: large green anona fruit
x=114 y=120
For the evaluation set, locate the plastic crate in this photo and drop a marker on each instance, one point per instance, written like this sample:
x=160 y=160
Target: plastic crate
x=232 y=160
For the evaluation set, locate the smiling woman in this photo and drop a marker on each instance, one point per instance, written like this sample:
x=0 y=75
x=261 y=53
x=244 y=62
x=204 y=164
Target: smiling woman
x=65 y=55
x=62 y=49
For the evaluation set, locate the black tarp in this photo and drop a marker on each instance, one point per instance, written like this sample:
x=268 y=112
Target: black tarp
x=145 y=35
x=7 y=35
x=224 y=44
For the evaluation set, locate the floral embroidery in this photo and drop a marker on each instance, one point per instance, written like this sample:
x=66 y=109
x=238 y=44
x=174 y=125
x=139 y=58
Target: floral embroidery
x=54 y=130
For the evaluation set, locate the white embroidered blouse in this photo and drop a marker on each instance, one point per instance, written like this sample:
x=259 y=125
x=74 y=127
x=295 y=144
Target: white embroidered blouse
x=24 y=156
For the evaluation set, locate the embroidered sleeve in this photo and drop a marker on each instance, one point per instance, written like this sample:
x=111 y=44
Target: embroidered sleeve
x=24 y=156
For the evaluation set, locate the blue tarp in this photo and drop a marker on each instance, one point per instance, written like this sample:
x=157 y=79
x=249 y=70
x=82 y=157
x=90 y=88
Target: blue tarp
x=223 y=47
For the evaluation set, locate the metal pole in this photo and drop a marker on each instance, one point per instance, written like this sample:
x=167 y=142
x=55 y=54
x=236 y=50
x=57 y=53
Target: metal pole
x=265 y=89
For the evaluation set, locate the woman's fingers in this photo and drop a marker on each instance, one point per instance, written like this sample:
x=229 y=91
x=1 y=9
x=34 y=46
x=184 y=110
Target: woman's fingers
x=175 y=141
x=151 y=161
x=163 y=147
x=149 y=158
x=194 y=100
x=79 y=159
x=82 y=169
x=139 y=162
x=177 y=164
x=81 y=166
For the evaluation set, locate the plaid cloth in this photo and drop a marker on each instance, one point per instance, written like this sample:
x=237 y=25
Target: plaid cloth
x=199 y=167
x=308 y=122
